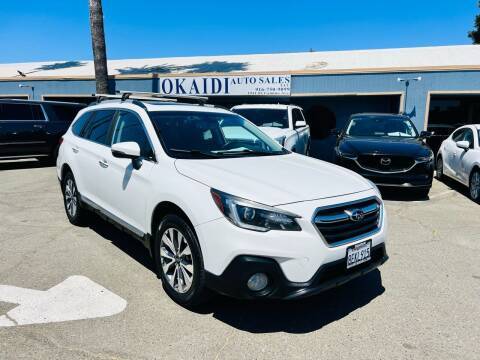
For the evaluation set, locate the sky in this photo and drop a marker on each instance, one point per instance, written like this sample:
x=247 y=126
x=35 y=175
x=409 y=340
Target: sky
x=32 y=30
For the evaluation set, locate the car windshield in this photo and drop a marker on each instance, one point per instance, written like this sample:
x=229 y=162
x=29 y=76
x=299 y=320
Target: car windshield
x=381 y=126
x=197 y=135
x=266 y=117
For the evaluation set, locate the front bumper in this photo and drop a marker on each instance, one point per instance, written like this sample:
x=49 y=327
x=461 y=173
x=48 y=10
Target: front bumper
x=420 y=176
x=233 y=281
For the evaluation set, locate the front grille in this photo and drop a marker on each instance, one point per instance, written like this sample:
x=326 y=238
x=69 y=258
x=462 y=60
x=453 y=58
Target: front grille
x=347 y=222
x=385 y=163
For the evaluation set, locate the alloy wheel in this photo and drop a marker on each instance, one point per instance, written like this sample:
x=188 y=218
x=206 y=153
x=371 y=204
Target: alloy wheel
x=71 y=200
x=475 y=185
x=176 y=260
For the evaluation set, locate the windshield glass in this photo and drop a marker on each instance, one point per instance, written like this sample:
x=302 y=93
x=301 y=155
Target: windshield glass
x=266 y=117
x=382 y=126
x=190 y=134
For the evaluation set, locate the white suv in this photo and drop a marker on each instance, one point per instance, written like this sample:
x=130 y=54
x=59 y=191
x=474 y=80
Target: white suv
x=284 y=123
x=219 y=204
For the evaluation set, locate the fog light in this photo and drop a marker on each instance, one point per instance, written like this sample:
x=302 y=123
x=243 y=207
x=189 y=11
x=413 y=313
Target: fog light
x=257 y=282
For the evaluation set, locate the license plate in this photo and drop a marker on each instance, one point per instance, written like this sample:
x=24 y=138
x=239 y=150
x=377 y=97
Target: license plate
x=358 y=254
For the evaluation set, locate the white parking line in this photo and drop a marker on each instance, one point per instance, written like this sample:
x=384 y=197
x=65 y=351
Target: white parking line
x=76 y=298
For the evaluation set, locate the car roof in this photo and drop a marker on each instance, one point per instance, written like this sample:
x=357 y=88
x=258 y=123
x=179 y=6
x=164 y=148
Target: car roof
x=21 y=101
x=151 y=106
x=264 y=106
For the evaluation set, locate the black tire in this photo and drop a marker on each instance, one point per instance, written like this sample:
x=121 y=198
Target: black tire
x=439 y=168
x=76 y=213
x=474 y=186
x=187 y=293
x=307 y=151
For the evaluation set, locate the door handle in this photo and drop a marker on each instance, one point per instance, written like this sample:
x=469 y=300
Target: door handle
x=103 y=164
x=38 y=126
x=75 y=150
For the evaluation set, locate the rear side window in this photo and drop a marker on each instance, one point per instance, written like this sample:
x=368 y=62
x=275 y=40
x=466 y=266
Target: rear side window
x=130 y=128
x=65 y=113
x=21 y=112
x=78 y=126
x=98 y=127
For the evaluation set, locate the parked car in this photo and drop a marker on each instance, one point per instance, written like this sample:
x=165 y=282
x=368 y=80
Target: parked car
x=388 y=150
x=33 y=128
x=459 y=158
x=219 y=204
x=284 y=123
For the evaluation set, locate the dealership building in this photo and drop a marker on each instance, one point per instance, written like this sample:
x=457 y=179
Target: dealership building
x=438 y=87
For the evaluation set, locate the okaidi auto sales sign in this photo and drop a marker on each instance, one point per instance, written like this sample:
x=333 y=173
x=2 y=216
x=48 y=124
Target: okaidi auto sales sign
x=276 y=85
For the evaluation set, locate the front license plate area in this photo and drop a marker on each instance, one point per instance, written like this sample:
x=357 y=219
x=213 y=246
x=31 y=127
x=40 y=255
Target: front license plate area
x=359 y=253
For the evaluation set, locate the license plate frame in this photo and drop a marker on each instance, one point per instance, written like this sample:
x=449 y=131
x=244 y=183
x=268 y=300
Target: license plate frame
x=358 y=254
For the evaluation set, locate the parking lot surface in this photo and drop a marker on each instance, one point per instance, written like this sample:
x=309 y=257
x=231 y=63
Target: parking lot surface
x=424 y=303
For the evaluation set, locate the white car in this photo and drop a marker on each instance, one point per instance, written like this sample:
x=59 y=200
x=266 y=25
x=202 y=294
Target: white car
x=459 y=158
x=284 y=123
x=219 y=204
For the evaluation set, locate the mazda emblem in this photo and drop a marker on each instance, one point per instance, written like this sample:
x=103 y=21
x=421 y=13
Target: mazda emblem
x=355 y=215
x=385 y=161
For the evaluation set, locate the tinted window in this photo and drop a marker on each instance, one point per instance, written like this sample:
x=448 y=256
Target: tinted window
x=80 y=123
x=381 y=126
x=297 y=116
x=468 y=137
x=130 y=128
x=98 y=126
x=266 y=117
x=37 y=112
x=15 y=112
x=189 y=134
x=65 y=113
x=458 y=135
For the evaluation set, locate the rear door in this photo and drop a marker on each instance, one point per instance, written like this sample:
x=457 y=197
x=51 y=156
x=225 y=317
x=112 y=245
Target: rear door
x=22 y=130
x=91 y=151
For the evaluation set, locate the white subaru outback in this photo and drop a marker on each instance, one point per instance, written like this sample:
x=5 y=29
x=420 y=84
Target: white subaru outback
x=219 y=204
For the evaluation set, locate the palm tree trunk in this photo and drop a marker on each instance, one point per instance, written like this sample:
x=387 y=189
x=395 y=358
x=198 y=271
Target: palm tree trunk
x=98 y=45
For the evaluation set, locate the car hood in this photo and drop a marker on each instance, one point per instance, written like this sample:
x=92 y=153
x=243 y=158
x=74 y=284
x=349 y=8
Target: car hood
x=390 y=146
x=274 y=180
x=274 y=132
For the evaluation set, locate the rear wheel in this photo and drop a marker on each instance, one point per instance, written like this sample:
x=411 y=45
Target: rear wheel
x=474 y=185
x=439 y=168
x=75 y=212
x=179 y=262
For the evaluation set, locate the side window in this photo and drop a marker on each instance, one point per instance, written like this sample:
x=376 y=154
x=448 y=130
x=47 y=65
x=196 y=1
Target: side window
x=469 y=137
x=78 y=125
x=129 y=128
x=458 y=135
x=296 y=116
x=16 y=112
x=37 y=112
x=98 y=127
x=65 y=113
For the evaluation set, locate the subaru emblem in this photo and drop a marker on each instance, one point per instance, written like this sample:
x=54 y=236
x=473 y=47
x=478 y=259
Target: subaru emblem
x=355 y=215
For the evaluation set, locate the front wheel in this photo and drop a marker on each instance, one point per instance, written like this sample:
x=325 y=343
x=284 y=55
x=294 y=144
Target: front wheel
x=439 y=168
x=474 y=186
x=179 y=262
x=75 y=212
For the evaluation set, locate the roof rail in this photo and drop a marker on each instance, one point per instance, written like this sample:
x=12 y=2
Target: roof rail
x=153 y=96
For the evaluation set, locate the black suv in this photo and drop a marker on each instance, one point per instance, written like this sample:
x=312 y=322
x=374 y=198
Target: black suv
x=34 y=128
x=388 y=150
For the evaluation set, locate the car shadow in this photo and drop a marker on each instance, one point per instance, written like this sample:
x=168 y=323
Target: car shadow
x=23 y=164
x=296 y=316
x=456 y=186
x=264 y=316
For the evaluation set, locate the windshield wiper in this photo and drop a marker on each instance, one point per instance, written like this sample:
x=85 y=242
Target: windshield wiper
x=194 y=152
x=247 y=152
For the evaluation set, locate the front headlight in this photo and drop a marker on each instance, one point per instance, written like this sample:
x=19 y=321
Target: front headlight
x=254 y=216
x=344 y=154
x=427 y=158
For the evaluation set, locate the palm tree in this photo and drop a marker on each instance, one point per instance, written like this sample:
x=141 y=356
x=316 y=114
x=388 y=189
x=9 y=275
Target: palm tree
x=98 y=45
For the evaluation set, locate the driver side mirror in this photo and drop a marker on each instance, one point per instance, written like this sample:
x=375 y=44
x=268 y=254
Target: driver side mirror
x=300 y=123
x=465 y=145
x=426 y=134
x=128 y=150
